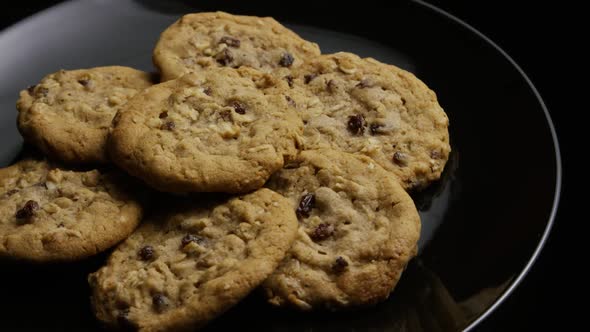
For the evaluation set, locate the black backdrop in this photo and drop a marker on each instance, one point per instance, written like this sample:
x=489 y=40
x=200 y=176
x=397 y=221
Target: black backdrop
x=542 y=38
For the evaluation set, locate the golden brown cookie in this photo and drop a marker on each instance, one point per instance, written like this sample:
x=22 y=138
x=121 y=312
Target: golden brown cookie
x=53 y=214
x=366 y=107
x=203 y=40
x=68 y=114
x=194 y=261
x=221 y=130
x=358 y=228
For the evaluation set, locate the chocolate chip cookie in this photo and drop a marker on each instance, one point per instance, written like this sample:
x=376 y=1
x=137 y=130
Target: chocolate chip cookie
x=68 y=114
x=194 y=261
x=219 y=39
x=49 y=213
x=362 y=106
x=219 y=130
x=358 y=228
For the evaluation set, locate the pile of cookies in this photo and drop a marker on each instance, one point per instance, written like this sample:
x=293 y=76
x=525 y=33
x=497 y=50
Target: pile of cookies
x=286 y=169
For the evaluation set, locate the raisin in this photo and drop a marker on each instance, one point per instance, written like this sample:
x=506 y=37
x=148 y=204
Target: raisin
x=230 y=41
x=291 y=101
x=289 y=80
x=146 y=253
x=169 y=125
x=163 y=115
x=305 y=205
x=309 y=77
x=11 y=192
x=31 y=89
x=42 y=92
x=239 y=107
x=363 y=84
x=191 y=238
x=375 y=128
x=160 y=303
x=28 y=210
x=340 y=264
x=356 y=124
x=435 y=154
x=400 y=158
x=123 y=320
x=207 y=91
x=84 y=82
x=224 y=57
x=286 y=60
x=225 y=115
x=322 y=232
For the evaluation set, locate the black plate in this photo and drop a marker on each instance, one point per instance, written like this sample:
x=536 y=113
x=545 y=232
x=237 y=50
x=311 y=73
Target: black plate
x=483 y=224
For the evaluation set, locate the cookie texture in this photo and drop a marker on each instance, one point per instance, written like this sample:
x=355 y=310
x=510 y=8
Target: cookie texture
x=362 y=106
x=68 y=114
x=221 y=130
x=188 y=265
x=203 y=40
x=358 y=228
x=52 y=214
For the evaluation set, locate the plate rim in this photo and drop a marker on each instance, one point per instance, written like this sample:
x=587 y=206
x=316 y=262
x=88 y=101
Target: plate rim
x=558 y=162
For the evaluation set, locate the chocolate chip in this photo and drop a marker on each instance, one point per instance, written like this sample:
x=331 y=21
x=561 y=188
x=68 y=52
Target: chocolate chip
x=291 y=101
x=356 y=124
x=42 y=92
x=340 y=265
x=28 y=210
x=322 y=232
x=84 y=82
x=11 y=192
x=168 y=125
x=163 y=115
x=31 y=89
x=230 y=41
x=286 y=60
x=305 y=205
x=191 y=238
x=289 y=80
x=224 y=57
x=146 y=253
x=363 y=84
x=239 y=107
x=375 y=128
x=435 y=154
x=225 y=115
x=207 y=91
x=160 y=303
x=309 y=77
x=400 y=158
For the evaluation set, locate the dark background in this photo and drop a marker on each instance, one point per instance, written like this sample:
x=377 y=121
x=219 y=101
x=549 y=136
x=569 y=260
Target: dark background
x=541 y=37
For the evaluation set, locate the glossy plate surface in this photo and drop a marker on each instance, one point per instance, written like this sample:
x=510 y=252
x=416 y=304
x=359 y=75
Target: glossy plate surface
x=483 y=223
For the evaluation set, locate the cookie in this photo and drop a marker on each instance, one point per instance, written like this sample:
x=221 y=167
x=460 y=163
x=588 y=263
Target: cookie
x=203 y=40
x=221 y=130
x=53 y=214
x=362 y=106
x=188 y=265
x=68 y=114
x=358 y=228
